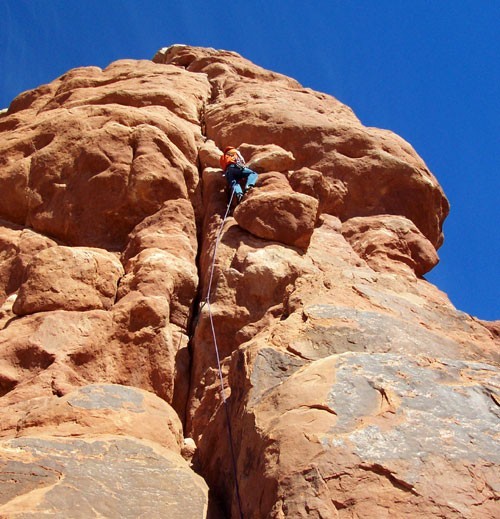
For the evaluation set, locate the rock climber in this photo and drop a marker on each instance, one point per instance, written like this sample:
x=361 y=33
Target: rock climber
x=233 y=165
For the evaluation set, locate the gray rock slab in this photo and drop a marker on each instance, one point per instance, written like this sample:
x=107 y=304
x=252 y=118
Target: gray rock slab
x=444 y=408
x=336 y=329
x=111 y=477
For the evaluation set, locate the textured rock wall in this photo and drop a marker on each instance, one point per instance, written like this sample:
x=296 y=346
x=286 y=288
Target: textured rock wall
x=354 y=388
x=97 y=281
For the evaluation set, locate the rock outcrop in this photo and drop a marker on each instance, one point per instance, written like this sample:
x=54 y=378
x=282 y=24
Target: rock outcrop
x=352 y=386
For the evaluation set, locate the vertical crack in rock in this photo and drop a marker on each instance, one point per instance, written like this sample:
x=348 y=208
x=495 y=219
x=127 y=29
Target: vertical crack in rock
x=198 y=299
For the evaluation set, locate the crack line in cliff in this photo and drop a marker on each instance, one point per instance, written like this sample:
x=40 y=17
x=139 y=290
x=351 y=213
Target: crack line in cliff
x=214 y=336
x=206 y=301
x=199 y=303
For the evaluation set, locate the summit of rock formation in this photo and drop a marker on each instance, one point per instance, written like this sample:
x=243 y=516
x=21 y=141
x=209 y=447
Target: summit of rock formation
x=352 y=387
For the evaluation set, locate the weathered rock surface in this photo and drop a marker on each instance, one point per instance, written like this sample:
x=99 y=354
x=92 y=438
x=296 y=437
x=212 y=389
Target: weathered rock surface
x=353 y=387
x=381 y=171
x=17 y=246
x=268 y=158
x=69 y=278
x=285 y=217
x=339 y=308
x=92 y=154
x=389 y=243
x=395 y=424
x=90 y=477
x=98 y=409
x=102 y=450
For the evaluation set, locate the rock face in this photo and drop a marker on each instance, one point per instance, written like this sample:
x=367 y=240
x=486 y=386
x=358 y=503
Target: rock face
x=285 y=217
x=390 y=243
x=352 y=386
x=69 y=278
x=104 y=442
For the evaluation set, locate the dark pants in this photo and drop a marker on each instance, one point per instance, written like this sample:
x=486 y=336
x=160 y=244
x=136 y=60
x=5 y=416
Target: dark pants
x=234 y=174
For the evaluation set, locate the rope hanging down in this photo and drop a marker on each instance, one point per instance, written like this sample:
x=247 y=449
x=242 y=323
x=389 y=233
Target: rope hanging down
x=221 y=378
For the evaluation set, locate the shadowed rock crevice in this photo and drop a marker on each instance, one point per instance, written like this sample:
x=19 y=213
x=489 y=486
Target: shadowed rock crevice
x=398 y=483
x=6 y=384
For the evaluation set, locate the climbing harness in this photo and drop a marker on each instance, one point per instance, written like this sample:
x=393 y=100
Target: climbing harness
x=212 y=327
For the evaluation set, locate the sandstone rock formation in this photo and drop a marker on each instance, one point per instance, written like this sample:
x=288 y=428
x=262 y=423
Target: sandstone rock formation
x=352 y=386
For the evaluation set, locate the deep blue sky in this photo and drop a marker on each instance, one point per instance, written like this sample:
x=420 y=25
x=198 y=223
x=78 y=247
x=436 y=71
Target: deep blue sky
x=426 y=69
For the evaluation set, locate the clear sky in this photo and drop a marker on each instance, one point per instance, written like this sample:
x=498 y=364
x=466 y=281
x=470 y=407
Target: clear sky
x=426 y=69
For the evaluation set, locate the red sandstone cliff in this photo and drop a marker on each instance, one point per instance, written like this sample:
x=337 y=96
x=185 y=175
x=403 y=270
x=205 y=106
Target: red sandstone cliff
x=354 y=388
